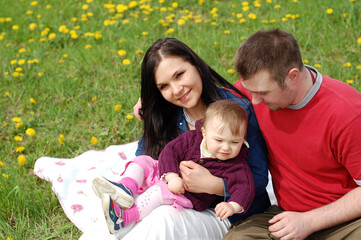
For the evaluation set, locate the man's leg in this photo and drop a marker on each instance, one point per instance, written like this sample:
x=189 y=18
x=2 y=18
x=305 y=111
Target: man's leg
x=254 y=227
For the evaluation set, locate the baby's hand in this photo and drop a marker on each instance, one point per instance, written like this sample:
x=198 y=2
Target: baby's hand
x=225 y=209
x=175 y=185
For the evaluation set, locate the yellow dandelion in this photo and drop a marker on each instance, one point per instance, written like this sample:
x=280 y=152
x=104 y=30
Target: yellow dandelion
x=181 y=22
x=252 y=16
x=16 y=119
x=245 y=8
x=21 y=160
x=40 y=74
x=30 y=132
x=88 y=46
x=18 y=138
x=19 y=125
x=32 y=100
x=12 y=62
x=277 y=6
x=129 y=116
x=144 y=33
x=18 y=69
x=7 y=94
x=48 y=6
x=16 y=74
x=122 y=52
x=117 y=107
x=85 y=7
x=33 y=3
x=359 y=41
x=15 y=27
x=349 y=81
x=230 y=71
x=170 y=31
x=140 y=52
x=317 y=65
x=94 y=98
x=348 y=64
x=61 y=139
x=22 y=50
x=358 y=67
x=65 y=55
x=7 y=176
x=239 y=15
x=227 y=32
x=52 y=36
x=2 y=164
x=329 y=11
x=21 y=62
x=20 y=149
x=174 y=5
x=94 y=140
x=305 y=61
x=126 y=61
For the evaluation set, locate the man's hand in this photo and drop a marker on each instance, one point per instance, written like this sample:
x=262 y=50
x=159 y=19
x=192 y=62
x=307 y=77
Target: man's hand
x=291 y=225
x=198 y=179
x=137 y=108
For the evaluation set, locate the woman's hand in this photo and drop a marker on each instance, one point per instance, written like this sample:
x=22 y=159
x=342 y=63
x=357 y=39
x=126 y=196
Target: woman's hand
x=198 y=179
x=137 y=109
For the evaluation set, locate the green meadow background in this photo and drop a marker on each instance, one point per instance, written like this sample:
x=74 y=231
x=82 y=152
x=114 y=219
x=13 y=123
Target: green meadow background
x=70 y=75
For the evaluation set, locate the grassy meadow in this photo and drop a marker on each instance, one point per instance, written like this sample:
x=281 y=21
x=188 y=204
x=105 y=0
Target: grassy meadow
x=70 y=75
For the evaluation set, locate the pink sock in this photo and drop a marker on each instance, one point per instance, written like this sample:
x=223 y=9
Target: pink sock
x=130 y=215
x=130 y=183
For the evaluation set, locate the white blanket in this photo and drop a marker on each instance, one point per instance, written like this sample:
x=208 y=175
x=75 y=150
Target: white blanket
x=72 y=183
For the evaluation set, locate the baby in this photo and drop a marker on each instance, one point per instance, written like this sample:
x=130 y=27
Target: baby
x=218 y=144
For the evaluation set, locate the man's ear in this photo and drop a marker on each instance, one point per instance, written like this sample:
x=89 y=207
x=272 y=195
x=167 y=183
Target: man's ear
x=293 y=75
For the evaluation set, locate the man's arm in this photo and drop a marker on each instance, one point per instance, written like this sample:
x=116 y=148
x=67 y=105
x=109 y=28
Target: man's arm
x=295 y=225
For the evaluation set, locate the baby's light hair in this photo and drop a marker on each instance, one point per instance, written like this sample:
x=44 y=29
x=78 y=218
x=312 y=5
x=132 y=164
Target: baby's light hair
x=230 y=113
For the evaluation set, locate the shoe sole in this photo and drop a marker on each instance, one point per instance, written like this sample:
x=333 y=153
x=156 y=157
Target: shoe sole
x=118 y=195
x=105 y=204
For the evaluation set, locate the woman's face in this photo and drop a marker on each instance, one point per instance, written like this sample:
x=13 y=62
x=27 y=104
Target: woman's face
x=179 y=82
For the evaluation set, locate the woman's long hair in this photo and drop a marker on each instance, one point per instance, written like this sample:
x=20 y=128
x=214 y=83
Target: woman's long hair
x=160 y=116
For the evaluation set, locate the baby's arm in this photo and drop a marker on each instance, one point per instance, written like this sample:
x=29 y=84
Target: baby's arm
x=227 y=209
x=175 y=183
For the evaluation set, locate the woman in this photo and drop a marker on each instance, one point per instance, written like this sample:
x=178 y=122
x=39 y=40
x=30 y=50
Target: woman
x=176 y=88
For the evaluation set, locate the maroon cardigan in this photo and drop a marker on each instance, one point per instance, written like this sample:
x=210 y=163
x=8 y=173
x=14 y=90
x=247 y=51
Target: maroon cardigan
x=235 y=172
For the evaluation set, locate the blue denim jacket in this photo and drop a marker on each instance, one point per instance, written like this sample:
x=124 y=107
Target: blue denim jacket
x=257 y=159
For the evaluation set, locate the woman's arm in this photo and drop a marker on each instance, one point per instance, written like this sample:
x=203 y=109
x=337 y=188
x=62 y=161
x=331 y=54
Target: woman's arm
x=198 y=179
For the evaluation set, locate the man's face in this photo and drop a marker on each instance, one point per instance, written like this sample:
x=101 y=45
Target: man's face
x=267 y=91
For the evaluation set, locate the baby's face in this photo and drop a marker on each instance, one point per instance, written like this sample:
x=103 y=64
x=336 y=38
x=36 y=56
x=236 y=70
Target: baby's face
x=222 y=143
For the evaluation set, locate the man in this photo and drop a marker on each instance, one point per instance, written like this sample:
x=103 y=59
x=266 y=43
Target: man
x=312 y=127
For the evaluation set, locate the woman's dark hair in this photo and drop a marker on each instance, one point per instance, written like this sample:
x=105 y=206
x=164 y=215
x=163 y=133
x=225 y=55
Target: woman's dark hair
x=160 y=116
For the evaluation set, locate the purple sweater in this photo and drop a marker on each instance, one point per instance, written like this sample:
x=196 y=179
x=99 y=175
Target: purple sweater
x=235 y=172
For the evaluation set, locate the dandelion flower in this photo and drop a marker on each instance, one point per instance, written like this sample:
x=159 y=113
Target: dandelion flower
x=317 y=65
x=329 y=11
x=52 y=36
x=359 y=41
x=94 y=140
x=181 y=22
x=349 y=81
x=277 y=6
x=129 y=116
x=144 y=33
x=15 y=27
x=21 y=62
x=230 y=71
x=12 y=62
x=16 y=119
x=19 y=125
x=348 y=64
x=40 y=74
x=117 y=107
x=252 y=16
x=122 y=52
x=20 y=149
x=61 y=139
x=140 y=52
x=227 y=32
x=33 y=3
x=30 y=132
x=2 y=164
x=6 y=176
x=170 y=30
x=126 y=61
x=7 y=94
x=94 y=98
x=88 y=46
x=21 y=160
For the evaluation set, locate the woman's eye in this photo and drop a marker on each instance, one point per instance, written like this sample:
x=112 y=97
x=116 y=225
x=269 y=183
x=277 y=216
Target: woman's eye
x=218 y=140
x=163 y=86
x=178 y=75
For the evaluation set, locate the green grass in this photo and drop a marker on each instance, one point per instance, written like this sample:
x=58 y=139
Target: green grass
x=64 y=75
